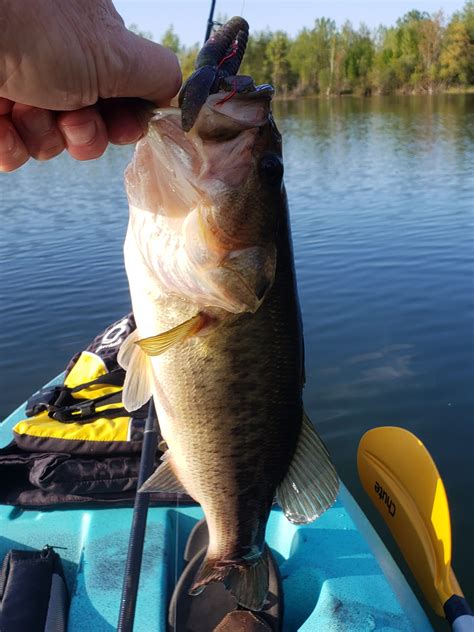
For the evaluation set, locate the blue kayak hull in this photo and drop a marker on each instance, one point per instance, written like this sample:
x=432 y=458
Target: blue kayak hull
x=337 y=574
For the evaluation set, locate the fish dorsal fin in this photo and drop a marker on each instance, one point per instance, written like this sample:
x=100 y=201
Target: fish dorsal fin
x=137 y=388
x=155 y=345
x=163 y=479
x=311 y=483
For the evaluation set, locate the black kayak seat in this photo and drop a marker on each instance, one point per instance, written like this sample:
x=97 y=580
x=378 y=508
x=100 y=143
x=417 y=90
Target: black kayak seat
x=215 y=609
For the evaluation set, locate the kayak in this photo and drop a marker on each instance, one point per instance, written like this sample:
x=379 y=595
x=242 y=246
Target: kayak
x=336 y=572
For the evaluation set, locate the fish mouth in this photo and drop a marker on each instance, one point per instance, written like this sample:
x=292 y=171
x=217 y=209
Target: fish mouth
x=199 y=165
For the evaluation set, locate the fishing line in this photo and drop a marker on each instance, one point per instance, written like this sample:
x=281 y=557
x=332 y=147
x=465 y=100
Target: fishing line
x=176 y=557
x=242 y=9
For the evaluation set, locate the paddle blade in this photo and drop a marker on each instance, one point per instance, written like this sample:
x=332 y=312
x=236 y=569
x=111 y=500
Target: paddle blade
x=400 y=477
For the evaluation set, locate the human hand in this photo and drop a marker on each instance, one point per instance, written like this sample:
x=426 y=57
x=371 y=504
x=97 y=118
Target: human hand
x=73 y=77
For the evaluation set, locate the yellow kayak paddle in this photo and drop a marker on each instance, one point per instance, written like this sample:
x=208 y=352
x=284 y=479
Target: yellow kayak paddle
x=401 y=478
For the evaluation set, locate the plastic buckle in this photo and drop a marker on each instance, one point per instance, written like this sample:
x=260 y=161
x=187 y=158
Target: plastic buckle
x=42 y=400
x=74 y=412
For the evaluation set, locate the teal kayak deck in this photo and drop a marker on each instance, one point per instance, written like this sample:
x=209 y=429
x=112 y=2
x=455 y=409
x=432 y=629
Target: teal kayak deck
x=337 y=574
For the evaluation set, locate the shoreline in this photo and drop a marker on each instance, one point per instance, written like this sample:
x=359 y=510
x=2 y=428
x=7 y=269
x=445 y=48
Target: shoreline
x=398 y=93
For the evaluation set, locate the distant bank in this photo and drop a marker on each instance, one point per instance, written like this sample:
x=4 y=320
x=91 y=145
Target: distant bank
x=422 y=53
x=401 y=92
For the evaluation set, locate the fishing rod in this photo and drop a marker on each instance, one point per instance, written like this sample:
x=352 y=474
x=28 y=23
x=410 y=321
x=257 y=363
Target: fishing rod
x=210 y=21
x=403 y=482
x=128 y=600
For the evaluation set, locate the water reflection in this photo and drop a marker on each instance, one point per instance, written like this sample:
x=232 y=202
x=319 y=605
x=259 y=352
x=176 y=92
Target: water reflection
x=421 y=120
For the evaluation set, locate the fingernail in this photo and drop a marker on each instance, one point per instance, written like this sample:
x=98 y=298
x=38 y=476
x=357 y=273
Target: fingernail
x=37 y=122
x=82 y=134
x=7 y=140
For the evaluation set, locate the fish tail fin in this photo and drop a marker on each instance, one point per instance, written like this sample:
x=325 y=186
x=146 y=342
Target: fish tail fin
x=248 y=583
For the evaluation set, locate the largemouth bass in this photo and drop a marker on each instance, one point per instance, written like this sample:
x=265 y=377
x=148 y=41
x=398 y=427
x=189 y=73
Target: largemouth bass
x=219 y=340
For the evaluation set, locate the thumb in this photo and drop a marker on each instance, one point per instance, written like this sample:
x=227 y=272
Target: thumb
x=151 y=71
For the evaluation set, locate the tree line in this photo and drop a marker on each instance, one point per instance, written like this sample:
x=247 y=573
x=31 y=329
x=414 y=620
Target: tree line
x=422 y=53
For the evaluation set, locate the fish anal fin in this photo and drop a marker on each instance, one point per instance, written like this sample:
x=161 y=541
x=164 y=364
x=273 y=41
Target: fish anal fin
x=164 y=479
x=156 y=345
x=311 y=483
x=248 y=583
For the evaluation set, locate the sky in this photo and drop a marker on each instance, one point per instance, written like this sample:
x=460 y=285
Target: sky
x=189 y=17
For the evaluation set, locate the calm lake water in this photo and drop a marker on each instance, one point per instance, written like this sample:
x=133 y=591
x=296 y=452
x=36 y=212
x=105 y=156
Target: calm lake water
x=381 y=199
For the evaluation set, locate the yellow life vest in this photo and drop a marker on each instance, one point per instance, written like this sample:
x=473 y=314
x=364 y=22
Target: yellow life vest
x=83 y=415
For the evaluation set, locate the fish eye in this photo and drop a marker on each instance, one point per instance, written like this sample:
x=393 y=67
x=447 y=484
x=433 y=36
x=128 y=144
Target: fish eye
x=271 y=168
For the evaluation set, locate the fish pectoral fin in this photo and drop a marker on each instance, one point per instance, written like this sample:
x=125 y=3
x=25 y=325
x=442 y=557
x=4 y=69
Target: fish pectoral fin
x=248 y=583
x=311 y=483
x=163 y=479
x=137 y=387
x=126 y=349
x=155 y=345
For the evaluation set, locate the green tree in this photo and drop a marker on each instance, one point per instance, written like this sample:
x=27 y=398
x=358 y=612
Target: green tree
x=419 y=53
x=301 y=58
x=467 y=17
x=323 y=36
x=137 y=30
x=457 y=56
x=431 y=32
x=407 y=55
x=407 y=58
x=171 y=40
x=256 y=62
x=187 y=59
x=358 y=58
x=277 y=55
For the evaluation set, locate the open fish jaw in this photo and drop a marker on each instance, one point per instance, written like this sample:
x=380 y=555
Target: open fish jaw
x=198 y=200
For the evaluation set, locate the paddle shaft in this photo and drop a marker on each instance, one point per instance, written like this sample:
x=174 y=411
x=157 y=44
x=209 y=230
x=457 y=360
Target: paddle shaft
x=459 y=614
x=137 y=533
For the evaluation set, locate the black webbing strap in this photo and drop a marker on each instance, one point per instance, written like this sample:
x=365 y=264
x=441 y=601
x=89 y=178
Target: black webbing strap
x=86 y=410
x=68 y=410
x=114 y=378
